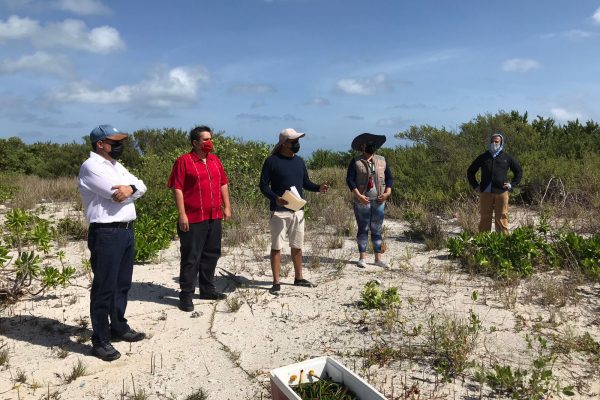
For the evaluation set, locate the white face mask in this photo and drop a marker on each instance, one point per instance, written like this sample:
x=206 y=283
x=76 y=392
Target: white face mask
x=494 y=147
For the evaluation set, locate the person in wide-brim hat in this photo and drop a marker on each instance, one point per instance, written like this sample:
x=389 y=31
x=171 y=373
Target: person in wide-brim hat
x=368 y=138
x=370 y=180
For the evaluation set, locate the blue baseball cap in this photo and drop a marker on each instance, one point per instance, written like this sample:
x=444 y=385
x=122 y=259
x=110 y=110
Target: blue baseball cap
x=106 y=132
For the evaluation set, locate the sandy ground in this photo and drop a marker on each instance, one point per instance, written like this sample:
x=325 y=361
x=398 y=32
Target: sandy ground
x=229 y=353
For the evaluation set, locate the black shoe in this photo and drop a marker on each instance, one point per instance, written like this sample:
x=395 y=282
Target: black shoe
x=303 y=282
x=186 y=304
x=275 y=289
x=105 y=352
x=129 y=336
x=213 y=296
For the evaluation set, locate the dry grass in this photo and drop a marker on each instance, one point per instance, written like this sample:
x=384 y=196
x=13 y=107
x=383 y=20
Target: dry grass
x=507 y=292
x=33 y=190
x=426 y=226
x=245 y=222
x=551 y=291
x=579 y=218
x=466 y=212
x=333 y=209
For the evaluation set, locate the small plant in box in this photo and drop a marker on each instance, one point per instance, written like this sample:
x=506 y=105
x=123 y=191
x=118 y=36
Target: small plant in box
x=316 y=387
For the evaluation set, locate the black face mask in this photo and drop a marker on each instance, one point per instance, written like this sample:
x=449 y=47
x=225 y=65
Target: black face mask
x=295 y=147
x=370 y=148
x=116 y=150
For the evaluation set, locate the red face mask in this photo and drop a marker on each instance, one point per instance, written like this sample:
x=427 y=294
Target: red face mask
x=207 y=146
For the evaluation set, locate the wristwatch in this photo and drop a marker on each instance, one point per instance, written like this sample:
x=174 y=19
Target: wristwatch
x=133 y=188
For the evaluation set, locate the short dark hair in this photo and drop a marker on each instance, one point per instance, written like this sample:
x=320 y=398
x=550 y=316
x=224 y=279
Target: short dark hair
x=195 y=133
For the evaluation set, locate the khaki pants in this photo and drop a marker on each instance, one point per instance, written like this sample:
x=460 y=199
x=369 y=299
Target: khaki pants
x=497 y=204
x=287 y=224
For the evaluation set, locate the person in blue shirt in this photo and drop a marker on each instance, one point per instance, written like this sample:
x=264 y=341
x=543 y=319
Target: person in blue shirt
x=280 y=171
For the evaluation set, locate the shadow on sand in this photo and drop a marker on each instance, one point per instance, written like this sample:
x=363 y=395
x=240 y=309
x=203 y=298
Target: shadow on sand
x=46 y=332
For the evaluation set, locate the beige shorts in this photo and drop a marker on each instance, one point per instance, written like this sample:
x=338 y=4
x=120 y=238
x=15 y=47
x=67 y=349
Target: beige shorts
x=284 y=225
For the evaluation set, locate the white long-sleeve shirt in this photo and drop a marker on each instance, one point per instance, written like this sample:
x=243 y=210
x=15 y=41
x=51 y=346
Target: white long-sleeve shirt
x=97 y=176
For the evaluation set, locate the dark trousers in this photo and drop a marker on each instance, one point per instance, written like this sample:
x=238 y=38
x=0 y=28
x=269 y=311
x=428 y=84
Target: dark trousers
x=200 y=251
x=112 y=264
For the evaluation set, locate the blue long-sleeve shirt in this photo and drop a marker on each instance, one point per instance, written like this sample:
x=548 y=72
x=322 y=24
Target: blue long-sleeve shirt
x=279 y=173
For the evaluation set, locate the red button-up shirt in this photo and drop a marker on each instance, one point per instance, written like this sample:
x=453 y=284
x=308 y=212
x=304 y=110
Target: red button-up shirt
x=201 y=184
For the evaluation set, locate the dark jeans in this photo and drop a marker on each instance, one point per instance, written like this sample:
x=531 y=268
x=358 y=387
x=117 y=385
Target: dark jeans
x=112 y=264
x=200 y=251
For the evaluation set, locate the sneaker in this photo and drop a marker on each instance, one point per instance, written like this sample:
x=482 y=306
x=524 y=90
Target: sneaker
x=275 y=289
x=381 y=264
x=129 y=336
x=105 y=352
x=186 y=304
x=361 y=263
x=304 y=283
x=213 y=296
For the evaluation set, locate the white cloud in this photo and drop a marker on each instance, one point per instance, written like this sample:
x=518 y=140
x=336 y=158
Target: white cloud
x=318 y=102
x=365 y=86
x=562 y=114
x=13 y=4
x=412 y=106
x=38 y=62
x=596 y=16
x=393 y=122
x=255 y=117
x=74 y=34
x=577 y=34
x=82 y=7
x=176 y=87
x=251 y=88
x=69 y=33
x=18 y=28
x=573 y=34
x=19 y=109
x=520 y=65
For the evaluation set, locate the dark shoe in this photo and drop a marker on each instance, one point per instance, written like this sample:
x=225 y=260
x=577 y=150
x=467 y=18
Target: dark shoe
x=303 y=282
x=105 y=352
x=275 y=289
x=213 y=296
x=129 y=336
x=186 y=304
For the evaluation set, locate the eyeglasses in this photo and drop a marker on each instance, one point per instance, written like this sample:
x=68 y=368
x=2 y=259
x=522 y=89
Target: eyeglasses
x=293 y=141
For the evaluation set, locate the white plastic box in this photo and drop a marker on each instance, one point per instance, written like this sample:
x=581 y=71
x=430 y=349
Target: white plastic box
x=280 y=379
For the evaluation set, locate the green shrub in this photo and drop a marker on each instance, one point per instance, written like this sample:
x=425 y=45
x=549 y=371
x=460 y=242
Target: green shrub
x=374 y=298
x=526 y=249
x=452 y=341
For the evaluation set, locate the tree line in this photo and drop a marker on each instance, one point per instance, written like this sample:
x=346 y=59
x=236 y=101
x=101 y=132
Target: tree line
x=559 y=160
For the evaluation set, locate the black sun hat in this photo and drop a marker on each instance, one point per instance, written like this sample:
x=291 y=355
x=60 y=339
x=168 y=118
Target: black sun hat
x=365 y=138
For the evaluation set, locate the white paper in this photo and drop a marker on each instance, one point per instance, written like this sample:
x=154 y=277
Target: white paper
x=295 y=192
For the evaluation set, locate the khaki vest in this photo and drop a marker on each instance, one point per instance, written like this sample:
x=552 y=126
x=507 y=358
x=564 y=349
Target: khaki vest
x=362 y=174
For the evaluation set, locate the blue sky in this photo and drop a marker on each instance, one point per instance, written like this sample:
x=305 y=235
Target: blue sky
x=330 y=68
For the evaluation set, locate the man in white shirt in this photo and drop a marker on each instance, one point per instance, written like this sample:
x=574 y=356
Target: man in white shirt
x=107 y=191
